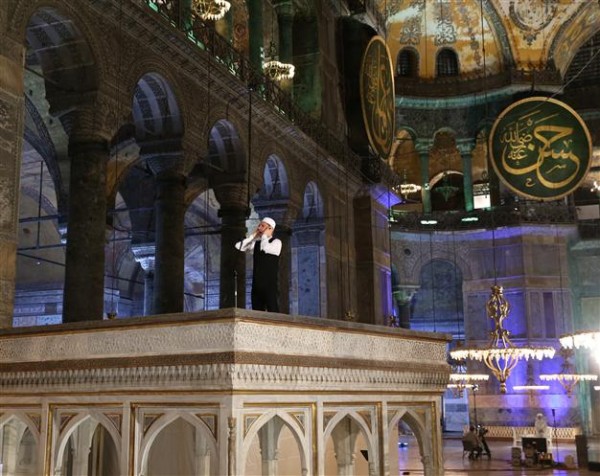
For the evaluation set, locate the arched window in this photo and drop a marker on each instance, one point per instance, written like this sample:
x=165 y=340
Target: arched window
x=446 y=63
x=408 y=63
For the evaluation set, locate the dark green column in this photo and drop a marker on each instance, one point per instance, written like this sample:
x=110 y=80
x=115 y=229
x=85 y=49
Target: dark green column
x=255 y=22
x=423 y=151
x=466 y=153
x=169 y=258
x=233 y=262
x=83 y=298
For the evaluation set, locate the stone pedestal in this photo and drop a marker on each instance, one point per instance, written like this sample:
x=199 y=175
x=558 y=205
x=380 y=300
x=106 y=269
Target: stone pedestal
x=207 y=393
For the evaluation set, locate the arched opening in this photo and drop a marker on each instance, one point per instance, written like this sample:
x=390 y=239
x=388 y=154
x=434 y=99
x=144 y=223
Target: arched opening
x=308 y=256
x=202 y=254
x=438 y=304
x=18 y=449
x=407 y=64
x=446 y=63
x=405 y=443
x=347 y=449
x=90 y=450
x=274 y=449
x=181 y=448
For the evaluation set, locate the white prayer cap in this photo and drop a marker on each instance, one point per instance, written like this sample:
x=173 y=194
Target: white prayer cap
x=269 y=221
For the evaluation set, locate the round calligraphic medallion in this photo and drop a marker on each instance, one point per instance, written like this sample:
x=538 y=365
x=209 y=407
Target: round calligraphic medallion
x=540 y=148
x=377 y=96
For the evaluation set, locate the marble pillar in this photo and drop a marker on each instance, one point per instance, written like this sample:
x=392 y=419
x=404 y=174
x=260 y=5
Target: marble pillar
x=423 y=151
x=169 y=258
x=86 y=234
x=11 y=141
x=466 y=153
x=145 y=256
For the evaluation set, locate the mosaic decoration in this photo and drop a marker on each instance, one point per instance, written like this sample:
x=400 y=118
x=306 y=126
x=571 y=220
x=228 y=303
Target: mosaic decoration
x=445 y=33
x=532 y=16
x=540 y=148
x=411 y=32
x=377 y=96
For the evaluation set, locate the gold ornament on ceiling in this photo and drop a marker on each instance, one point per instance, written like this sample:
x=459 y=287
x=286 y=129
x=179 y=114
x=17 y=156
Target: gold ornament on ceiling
x=532 y=16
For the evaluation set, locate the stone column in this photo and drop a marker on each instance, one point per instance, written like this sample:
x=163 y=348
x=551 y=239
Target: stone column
x=373 y=266
x=11 y=139
x=145 y=256
x=255 y=24
x=268 y=437
x=465 y=147
x=86 y=234
x=344 y=442
x=423 y=148
x=285 y=21
x=169 y=258
x=233 y=213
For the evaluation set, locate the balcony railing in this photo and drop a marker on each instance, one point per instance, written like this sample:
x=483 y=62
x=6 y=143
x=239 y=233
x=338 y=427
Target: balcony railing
x=520 y=213
x=204 y=35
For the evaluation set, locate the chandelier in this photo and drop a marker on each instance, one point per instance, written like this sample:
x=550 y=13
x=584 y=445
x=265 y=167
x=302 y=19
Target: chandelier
x=460 y=381
x=275 y=69
x=210 y=9
x=567 y=376
x=586 y=339
x=501 y=355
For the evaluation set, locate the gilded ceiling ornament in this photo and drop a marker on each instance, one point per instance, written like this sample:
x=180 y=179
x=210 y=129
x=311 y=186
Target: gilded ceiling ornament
x=532 y=16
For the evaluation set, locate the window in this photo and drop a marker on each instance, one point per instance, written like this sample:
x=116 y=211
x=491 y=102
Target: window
x=408 y=63
x=446 y=63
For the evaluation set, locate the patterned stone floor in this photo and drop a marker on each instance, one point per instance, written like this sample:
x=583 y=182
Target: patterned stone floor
x=498 y=465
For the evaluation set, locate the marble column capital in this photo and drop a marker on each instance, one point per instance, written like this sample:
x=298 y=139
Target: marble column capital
x=144 y=254
x=232 y=195
x=423 y=146
x=465 y=146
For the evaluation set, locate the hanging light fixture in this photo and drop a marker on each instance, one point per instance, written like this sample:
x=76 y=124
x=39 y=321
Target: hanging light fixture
x=272 y=67
x=568 y=377
x=501 y=355
x=210 y=9
x=586 y=339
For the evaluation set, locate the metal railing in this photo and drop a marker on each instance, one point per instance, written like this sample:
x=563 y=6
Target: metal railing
x=520 y=213
x=204 y=35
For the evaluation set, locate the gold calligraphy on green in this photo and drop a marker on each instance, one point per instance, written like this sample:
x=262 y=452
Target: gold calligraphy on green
x=540 y=148
x=377 y=96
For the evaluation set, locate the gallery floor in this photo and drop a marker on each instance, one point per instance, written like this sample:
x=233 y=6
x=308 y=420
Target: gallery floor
x=498 y=465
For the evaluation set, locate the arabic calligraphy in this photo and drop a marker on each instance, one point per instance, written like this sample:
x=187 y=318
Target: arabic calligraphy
x=541 y=148
x=377 y=93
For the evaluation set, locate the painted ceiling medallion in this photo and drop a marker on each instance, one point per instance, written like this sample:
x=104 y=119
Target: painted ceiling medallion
x=532 y=16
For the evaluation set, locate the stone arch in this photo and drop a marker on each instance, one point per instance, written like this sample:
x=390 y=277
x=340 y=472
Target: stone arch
x=156 y=111
x=226 y=153
x=363 y=427
x=95 y=417
x=24 y=419
x=66 y=23
x=423 y=258
x=312 y=203
x=160 y=424
x=20 y=450
x=416 y=423
x=299 y=436
x=275 y=179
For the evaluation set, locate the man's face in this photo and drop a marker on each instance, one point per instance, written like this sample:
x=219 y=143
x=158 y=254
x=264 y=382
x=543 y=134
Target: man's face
x=265 y=229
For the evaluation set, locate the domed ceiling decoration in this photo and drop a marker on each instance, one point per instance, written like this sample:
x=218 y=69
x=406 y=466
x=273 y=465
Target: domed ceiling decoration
x=525 y=34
